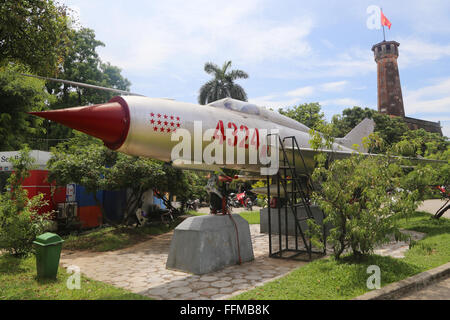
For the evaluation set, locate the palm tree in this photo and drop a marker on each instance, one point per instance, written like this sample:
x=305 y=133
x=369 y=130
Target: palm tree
x=222 y=86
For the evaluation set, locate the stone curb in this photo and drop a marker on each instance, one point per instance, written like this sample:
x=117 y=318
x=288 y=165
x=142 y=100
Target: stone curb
x=400 y=288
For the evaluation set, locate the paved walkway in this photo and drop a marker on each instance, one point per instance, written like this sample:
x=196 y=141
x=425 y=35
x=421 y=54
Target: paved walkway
x=433 y=205
x=142 y=269
x=437 y=291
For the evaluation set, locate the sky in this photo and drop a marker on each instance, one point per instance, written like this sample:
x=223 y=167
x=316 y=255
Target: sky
x=294 y=51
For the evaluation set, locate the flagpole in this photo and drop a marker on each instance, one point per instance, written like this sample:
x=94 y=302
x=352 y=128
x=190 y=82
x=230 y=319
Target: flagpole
x=382 y=24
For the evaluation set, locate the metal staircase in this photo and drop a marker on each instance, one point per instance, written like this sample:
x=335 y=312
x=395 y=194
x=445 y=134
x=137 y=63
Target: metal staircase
x=294 y=199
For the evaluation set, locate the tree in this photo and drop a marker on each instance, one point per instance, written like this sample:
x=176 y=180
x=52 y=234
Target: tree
x=20 y=222
x=363 y=200
x=308 y=114
x=135 y=174
x=422 y=143
x=19 y=95
x=82 y=64
x=33 y=32
x=349 y=119
x=83 y=160
x=84 y=165
x=223 y=85
x=363 y=197
x=390 y=130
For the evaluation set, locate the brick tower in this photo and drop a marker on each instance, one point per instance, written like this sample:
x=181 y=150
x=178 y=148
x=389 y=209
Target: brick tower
x=390 y=100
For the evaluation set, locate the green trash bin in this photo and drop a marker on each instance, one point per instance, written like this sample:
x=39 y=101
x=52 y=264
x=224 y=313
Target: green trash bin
x=48 y=250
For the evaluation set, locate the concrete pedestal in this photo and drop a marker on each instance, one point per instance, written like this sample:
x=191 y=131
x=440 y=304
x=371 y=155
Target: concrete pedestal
x=208 y=243
x=301 y=213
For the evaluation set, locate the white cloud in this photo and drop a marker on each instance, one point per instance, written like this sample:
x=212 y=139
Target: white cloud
x=431 y=99
x=414 y=51
x=356 y=61
x=341 y=102
x=184 y=34
x=334 y=86
x=299 y=95
x=274 y=102
x=301 y=92
x=430 y=103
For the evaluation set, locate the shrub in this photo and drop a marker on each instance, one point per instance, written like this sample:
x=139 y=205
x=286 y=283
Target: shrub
x=363 y=199
x=20 y=222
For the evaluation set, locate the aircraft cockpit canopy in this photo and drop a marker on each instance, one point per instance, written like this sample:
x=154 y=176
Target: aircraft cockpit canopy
x=261 y=112
x=237 y=105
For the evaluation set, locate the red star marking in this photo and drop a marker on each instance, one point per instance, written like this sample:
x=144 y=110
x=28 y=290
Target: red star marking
x=161 y=129
x=165 y=123
x=152 y=121
x=159 y=115
x=178 y=118
x=155 y=129
x=172 y=124
x=171 y=117
x=168 y=129
x=152 y=114
x=178 y=125
x=165 y=117
x=159 y=122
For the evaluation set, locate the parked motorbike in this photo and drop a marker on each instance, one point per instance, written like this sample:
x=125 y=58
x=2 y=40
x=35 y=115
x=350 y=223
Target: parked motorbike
x=232 y=201
x=153 y=214
x=242 y=199
x=192 y=204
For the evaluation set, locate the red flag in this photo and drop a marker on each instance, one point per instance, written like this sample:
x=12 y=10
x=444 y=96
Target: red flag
x=385 y=21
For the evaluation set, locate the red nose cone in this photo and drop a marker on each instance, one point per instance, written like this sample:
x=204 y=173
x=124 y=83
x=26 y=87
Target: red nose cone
x=109 y=122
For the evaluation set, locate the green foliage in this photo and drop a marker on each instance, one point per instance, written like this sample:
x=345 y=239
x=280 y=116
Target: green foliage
x=363 y=199
x=19 y=95
x=322 y=138
x=346 y=278
x=422 y=143
x=82 y=64
x=262 y=198
x=330 y=279
x=83 y=160
x=19 y=221
x=223 y=85
x=308 y=114
x=390 y=130
x=349 y=119
x=83 y=165
x=133 y=173
x=33 y=32
x=193 y=187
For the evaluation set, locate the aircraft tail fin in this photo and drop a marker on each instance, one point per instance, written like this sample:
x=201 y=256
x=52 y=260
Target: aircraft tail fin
x=355 y=136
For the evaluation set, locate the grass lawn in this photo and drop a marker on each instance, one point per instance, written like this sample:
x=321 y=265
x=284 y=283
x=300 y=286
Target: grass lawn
x=252 y=217
x=18 y=282
x=346 y=279
x=108 y=239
